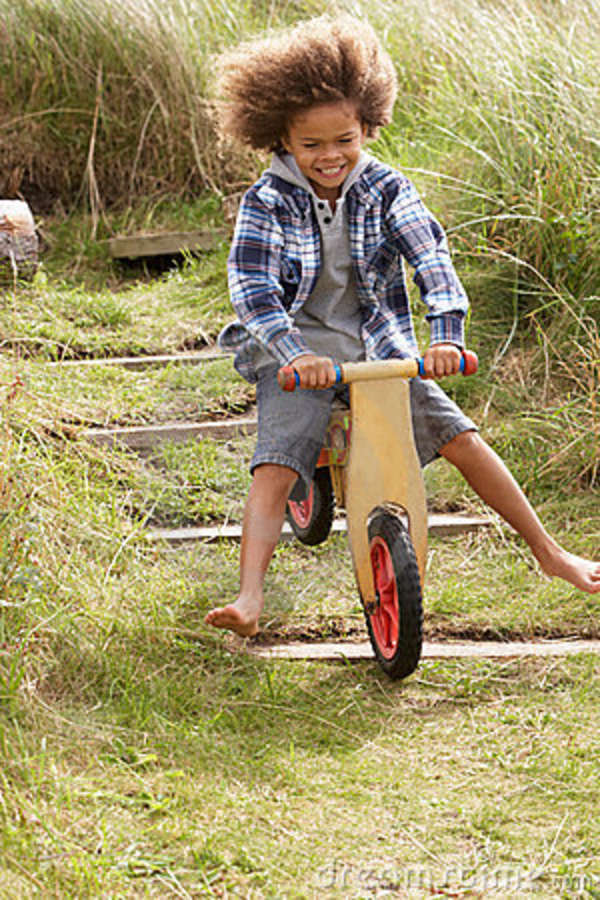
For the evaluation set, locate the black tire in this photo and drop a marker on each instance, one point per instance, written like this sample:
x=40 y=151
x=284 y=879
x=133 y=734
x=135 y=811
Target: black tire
x=396 y=624
x=311 y=520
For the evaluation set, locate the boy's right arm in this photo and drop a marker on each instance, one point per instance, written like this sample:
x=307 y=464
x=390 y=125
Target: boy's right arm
x=255 y=281
x=314 y=371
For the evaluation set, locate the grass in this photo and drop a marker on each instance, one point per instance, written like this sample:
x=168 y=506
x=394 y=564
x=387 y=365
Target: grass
x=143 y=755
x=184 y=311
x=147 y=795
x=497 y=117
x=140 y=758
x=116 y=495
x=112 y=91
x=113 y=395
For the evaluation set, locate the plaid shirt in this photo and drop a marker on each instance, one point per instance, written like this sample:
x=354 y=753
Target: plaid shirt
x=275 y=260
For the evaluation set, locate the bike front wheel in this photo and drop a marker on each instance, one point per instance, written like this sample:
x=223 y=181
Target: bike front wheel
x=395 y=624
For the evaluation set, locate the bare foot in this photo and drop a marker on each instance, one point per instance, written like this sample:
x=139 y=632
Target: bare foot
x=582 y=573
x=241 y=617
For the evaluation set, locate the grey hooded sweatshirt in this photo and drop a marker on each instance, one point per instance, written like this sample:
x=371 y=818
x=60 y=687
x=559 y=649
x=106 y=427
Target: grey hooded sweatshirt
x=330 y=319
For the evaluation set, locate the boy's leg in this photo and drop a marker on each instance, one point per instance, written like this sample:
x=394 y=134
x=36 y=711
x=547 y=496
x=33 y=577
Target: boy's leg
x=489 y=477
x=291 y=428
x=263 y=519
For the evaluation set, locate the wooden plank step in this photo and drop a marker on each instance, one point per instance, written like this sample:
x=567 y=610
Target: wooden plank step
x=144 y=362
x=440 y=525
x=146 y=437
x=170 y=243
x=450 y=650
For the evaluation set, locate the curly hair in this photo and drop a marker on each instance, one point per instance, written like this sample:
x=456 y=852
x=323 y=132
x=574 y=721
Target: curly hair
x=263 y=84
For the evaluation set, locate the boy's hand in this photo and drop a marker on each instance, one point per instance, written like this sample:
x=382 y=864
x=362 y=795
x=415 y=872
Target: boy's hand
x=314 y=371
x=441 y=360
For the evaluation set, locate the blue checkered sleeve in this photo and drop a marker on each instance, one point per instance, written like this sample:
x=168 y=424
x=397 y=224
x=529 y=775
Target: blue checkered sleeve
x=423 y=244
x=254 y=274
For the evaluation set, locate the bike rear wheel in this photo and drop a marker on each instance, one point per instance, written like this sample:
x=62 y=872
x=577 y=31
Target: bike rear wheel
x=311 y=519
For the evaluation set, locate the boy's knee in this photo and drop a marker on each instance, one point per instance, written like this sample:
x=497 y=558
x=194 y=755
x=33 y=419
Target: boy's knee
x=463 y=444
x=279 y=478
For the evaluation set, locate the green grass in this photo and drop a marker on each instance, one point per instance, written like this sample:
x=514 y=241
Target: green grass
x=193 y=773
x=114 y=395
x=142 y=757
x=183 y=310
x=78 y=253
x=116 y=495
x=108 y=100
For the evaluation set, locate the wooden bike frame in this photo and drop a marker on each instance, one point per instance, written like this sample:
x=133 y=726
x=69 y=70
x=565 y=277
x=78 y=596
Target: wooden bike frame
x=383 y=468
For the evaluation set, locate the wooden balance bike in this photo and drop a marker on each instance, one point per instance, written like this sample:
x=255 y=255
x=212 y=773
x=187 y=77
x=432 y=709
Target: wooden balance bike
x=376 y=476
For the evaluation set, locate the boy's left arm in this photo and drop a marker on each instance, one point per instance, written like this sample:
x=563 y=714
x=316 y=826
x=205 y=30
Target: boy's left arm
x=422 y=242
x=441 y=359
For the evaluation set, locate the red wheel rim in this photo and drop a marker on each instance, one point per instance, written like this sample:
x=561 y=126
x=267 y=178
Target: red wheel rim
x=302 y=510
x=385 y=620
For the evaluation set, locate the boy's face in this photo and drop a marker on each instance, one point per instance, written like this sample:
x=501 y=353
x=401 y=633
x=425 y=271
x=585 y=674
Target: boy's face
x=326 y=141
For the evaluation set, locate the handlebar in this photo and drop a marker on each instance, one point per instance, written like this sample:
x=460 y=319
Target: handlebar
x=289 y=379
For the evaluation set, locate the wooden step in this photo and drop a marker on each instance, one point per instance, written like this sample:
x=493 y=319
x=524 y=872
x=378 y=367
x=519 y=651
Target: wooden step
x=450 y=650
x=144 y=362
x=140 y=246
x=147 y=437
x=440 y=525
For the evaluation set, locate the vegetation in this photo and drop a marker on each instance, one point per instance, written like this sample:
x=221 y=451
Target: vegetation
x=141 y=754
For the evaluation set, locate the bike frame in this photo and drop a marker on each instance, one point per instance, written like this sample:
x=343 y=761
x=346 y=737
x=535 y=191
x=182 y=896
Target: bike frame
x=372 y=456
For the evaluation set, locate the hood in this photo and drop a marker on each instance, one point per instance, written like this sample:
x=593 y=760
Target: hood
x=284 y=166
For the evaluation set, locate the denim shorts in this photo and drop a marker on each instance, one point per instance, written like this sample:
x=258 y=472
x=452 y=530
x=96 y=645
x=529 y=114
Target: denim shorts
x=292 y=426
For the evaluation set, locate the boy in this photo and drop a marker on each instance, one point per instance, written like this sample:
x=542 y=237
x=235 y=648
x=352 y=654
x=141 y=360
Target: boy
x=316 y=275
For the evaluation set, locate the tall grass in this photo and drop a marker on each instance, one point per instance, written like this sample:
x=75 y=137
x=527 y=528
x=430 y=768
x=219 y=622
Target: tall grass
x=111 y=98
x=514 y=105
x=499 y=125
x=106 y=101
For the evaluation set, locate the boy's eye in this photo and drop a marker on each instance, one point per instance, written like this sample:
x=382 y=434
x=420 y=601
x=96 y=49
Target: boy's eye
x=311 y=145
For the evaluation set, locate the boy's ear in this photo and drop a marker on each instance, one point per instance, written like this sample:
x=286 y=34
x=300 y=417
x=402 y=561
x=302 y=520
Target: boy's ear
x=285 y=143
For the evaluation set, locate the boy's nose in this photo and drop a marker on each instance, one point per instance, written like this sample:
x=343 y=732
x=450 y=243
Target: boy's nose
x=330 y=153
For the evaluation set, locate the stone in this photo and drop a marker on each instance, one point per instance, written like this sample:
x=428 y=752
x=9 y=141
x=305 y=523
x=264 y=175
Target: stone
x=19 y=243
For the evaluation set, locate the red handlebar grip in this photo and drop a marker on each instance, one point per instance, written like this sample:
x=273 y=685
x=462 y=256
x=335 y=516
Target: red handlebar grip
x=286 y=378
x=471 y=362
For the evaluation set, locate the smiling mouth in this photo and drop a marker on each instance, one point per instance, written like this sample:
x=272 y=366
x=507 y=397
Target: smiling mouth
x=332 y=171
